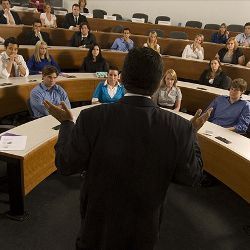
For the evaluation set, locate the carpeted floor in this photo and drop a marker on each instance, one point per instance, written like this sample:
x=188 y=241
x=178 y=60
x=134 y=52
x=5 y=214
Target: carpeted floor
x=195 y=219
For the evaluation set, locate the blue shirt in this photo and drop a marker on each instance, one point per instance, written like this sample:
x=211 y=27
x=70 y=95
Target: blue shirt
x=55 y=95
x=101 y=93
x=37 y=67
x=121 y=45
x=228 y=114
x=218 y=38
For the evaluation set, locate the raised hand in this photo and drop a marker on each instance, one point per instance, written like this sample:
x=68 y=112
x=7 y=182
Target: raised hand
x=198 y=120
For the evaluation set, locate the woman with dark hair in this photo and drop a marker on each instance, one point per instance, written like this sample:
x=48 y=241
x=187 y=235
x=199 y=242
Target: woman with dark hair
x=94 y=62
x=221 y=36
x=214 y=76
x=82 y=4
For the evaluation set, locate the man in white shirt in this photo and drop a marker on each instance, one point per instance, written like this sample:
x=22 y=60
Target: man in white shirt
x=12 y=64
x=244 y=38
x=7 y=16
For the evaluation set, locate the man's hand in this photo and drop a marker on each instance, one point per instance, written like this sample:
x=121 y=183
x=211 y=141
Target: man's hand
x=198 y=120
x=61 y=112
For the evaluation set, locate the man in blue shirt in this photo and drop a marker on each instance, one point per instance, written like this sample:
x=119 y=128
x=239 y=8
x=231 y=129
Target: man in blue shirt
x=123 y=43
x=231 y=111
x=47 y=90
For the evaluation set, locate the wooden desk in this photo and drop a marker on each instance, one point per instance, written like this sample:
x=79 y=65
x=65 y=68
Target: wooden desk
x=26 y=169
x=14 y=98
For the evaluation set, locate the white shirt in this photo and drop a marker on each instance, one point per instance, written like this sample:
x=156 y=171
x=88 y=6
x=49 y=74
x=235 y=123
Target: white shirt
x=196 y=54
x=48 y=23
x=4 y=59
x=7 y=17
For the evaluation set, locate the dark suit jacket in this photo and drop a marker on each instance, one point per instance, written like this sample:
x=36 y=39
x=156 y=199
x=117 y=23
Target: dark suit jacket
x=77 y=40
x=70 y=21
x=3 y=20
x=130 y=150
x=32 y=39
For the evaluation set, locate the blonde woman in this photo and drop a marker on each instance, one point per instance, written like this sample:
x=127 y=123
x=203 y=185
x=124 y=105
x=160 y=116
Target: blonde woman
x=168 y=95
x=40 y=59
x=48 y=19
x=152 y=42
x=194 y=50
x=231 y=53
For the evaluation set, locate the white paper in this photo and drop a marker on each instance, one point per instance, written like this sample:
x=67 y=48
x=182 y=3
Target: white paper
x=13 y=142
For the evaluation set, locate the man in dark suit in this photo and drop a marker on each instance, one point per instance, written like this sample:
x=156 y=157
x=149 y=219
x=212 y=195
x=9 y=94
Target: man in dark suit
x=35 y=35
x=130 y=151
x=72 y=20
x=8 y=16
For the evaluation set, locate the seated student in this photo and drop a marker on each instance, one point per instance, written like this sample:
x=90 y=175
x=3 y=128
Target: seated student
x=221 y=36
x=48 y=19
x=8 y=16
x=40 y=59
x=83 y=38
x=94 y=61
x=72 y=20
x=168 y=95
x=12 y=64
x=231 y=111
x=35 y=35
x=109 y=91
x=214 y=76
x=244 y=38
x=47 y=90
x=231 y=53
x=152 y=42
x=123 y=43
x=82 y=5
x=39 y=4
x=194 y=50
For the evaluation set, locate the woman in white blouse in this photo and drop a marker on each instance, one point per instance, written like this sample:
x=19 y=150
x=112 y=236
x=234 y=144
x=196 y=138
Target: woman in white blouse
x=194 y=50
x=48 y=19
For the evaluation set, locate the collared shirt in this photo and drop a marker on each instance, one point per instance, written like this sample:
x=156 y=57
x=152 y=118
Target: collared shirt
x=168 y=98
x=55 y=95
x=188 y=52
x=227 y=114
x=105 y=94
x=242 y=38
x=4 y=59
x=121 y=45
x=7 y=17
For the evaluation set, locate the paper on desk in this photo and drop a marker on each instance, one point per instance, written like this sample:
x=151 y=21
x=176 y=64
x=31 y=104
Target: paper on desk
x=13 y=142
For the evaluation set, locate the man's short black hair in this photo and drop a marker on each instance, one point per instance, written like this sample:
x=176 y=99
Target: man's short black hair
x=142 y=71
x=247 y=24
x=5 y=1
x=49 y=69
x=76 y=5
x=112 y=67
x=126 y=28
x=12 y=40
x=37 y=21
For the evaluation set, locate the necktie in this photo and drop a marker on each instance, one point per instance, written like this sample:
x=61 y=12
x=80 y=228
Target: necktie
x=12 y=72
x=40 y=37
x=76 y=20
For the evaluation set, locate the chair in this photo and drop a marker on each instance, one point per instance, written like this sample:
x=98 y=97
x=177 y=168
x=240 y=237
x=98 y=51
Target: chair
x=162 y=18
x=160 y=33
x=141 y=15
x=212 y=26
x=98 y=13
x=117 y=29
x=59 y=10
x=31 y=114
x=194 y=24
x=118 y=16
x=235 y=28
x=178 y=35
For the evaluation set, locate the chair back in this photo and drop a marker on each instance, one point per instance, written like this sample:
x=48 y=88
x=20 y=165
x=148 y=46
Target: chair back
x=117 y=29
x=194 y=24
x=162 y=18
x=160 y=33
x=98 y=13
x=212 y=26
x=235 y=28
x=118 y=16
x=141 y=15
x=178 y=35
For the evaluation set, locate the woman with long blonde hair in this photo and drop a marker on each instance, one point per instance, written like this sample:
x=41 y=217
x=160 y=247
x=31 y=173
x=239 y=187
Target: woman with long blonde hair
x=41 y=58
x=152 y=42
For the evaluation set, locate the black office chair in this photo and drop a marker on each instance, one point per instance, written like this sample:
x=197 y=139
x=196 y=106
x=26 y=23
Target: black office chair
x=194 y=24
x=141 y=15
x=235 y=28
x=178 y=35
x=118 y=16
x=117 y=29
x=98 y=13
x=162 y=18
x=160 y=33
x=212 y=26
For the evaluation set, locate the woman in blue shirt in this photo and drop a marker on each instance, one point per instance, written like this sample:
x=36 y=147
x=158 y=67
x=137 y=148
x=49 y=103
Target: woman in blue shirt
x=40 y=59
x=109 y=91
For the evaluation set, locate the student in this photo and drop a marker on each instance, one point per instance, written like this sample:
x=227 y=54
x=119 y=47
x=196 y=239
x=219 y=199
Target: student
x=152 y=42
x=123 y=43
x=194 y=50
x=129 y=151
x=109 y=91
x=94 y=61
x=47 y=90
x=48 y=19
x=244 y=38
x=39 y=4
x=40 y=59
x=12 y=64
x=221 y=36
x=82 y=5
x=83 y=38
x=231 y=111
x=8 y=16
